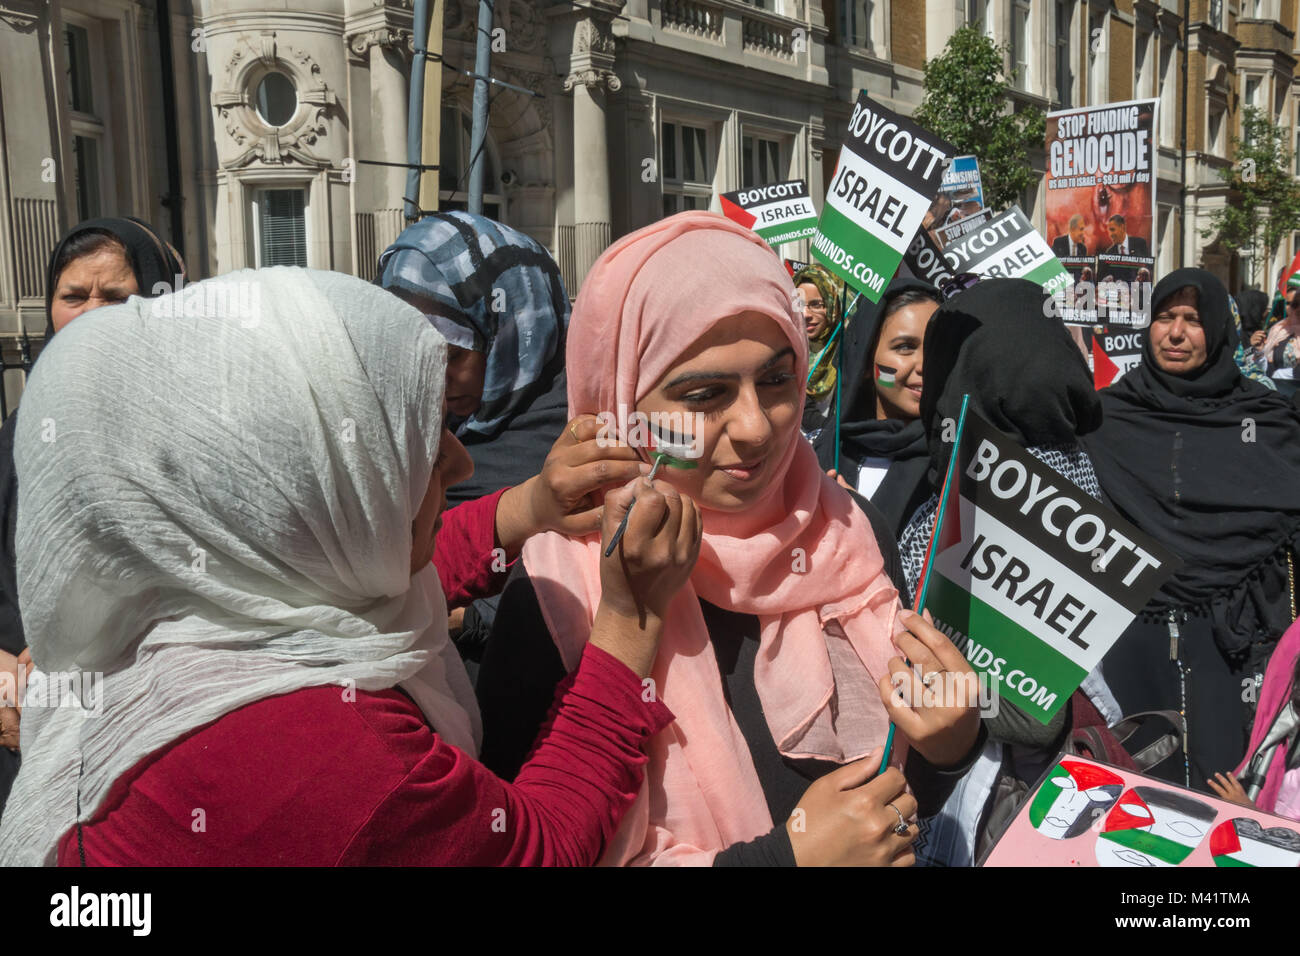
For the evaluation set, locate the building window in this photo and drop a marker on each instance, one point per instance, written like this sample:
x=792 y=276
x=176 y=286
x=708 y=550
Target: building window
x=280 y=227
x=1021 y=43
x=89 y=125
x=1097 y=58
x=978 y=15
x=1064 y=71
x=760 y=161
x=1145 y=85
x=453 y=167
x=687 y=168
x=1216 y=132
x=1215 y=14
x=276 y=99
x=855 y=22
x=1168 y=91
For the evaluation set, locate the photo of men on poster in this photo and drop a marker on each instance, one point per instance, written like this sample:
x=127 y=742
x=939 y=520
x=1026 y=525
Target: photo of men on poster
x=1100 y=171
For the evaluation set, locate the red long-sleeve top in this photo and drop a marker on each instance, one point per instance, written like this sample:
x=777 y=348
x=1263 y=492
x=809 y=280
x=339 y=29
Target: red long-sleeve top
x=310 y=778
x=463 y=551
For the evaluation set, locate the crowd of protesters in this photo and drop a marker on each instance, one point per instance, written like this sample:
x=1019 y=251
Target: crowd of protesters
x=358 y=578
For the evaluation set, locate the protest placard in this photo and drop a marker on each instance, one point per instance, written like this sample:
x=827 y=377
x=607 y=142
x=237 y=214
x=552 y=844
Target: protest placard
x=781 y=212
x=1100 y=179
x=1007 y=246
x=961 y=195
x=1031 y=577
x=1114 y=352
x=956 y=228
x=924 y=260
x=889 y=169
x=1087 y=813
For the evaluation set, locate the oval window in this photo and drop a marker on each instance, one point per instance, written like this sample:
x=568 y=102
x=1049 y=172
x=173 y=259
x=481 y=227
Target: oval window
x=277 y=100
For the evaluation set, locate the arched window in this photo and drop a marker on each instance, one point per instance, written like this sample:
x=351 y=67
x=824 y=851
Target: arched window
x=453 y=167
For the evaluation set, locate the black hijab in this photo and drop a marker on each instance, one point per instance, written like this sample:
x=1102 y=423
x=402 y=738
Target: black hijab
x=1206 y=463
x=862 y=435
x=153 y=262
x=150 y=258
x=1001 y=343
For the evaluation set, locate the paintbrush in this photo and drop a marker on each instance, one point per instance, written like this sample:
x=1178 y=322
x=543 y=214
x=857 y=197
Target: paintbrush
x=666 y=448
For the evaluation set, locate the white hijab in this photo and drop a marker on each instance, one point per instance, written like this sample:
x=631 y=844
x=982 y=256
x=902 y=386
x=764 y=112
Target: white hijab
x=216 y=491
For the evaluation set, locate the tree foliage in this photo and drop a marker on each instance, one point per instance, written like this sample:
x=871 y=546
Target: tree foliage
x=965 y=102
x=1265 y=205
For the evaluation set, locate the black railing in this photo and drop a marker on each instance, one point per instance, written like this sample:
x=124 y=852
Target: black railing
x=23 y=363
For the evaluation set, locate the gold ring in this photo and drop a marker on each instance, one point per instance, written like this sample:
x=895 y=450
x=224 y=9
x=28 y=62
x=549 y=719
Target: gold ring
x=573 y=430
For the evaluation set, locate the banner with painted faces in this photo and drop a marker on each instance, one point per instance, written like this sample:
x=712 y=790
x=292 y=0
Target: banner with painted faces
x=1087 y=813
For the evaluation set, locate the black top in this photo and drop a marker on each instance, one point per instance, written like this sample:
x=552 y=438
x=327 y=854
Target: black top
x=521 y=666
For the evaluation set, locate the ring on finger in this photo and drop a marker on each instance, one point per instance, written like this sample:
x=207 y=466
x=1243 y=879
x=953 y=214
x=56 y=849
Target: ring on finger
x=900 y=828
x=573 y=430
x=931 y=677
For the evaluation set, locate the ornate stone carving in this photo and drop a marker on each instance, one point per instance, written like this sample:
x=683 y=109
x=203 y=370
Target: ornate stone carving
x=359 y=44
x=593 y=79
x=243 y=124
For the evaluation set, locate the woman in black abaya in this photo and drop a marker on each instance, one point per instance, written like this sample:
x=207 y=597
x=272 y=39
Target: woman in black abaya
x=1208 y=463
x=883 y=453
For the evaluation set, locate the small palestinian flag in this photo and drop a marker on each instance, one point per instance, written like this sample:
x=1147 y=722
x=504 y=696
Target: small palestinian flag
x=886 y=376
x=671 y=448
x=1152 y=826
x=1243 y=842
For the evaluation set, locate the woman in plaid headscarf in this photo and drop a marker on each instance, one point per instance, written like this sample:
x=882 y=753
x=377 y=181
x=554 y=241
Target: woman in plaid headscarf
x=821 y=294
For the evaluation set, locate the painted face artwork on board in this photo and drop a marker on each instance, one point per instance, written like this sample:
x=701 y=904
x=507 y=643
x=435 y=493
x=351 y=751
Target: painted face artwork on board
x=1072 y=797
x=1151 y=826
x=1243 y=842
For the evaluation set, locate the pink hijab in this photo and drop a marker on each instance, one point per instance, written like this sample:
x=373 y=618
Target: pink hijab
x=826 y=628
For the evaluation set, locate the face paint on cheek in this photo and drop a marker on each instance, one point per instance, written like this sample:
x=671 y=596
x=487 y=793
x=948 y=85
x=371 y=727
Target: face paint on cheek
x=885 y=376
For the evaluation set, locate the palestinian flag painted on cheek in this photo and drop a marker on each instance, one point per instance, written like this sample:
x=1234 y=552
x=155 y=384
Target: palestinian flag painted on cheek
x=1150 y=826
x=886 y=376
x=675 y=449
x=1243 y=842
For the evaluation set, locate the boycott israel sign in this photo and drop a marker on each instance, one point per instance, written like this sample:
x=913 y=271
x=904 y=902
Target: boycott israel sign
x=1032 y=578
x=782 y=212
x=888 y=172
x=1007 y=246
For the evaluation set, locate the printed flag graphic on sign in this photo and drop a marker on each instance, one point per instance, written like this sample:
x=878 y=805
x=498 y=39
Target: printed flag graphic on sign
x=781 y=212
x=889 y=170
x=1032 y=578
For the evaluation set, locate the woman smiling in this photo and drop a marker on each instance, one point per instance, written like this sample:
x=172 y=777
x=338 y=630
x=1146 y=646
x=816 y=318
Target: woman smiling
x=780 y=652
x=882 y=451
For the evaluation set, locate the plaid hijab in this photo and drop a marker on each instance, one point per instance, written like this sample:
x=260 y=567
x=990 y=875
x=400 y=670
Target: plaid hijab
x=822 y=382
x=493 y=290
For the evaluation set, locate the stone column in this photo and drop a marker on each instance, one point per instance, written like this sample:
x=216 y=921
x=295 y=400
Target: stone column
x=591 y=76
x=386 y=52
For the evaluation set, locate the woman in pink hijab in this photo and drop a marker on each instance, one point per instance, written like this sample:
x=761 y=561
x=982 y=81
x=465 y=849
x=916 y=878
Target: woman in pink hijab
x=784 y=654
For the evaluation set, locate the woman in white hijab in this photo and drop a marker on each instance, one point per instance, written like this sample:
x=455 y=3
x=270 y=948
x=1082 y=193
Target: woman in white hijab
x=228 y=501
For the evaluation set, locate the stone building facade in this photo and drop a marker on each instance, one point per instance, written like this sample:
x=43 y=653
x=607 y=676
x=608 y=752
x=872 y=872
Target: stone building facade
x=247 y=130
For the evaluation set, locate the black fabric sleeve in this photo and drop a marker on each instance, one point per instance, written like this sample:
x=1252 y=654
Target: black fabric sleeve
x=931 y=785
x=520 y=669
x=771 y=849
x=888 y=545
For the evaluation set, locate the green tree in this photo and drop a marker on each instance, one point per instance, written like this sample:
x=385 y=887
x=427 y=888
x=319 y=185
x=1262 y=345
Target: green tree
x=966 y=103
x=1265 y=204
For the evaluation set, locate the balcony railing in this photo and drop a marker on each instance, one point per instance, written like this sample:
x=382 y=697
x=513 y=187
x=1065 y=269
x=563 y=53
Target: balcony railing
x=773 y=39
x=693 y=17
